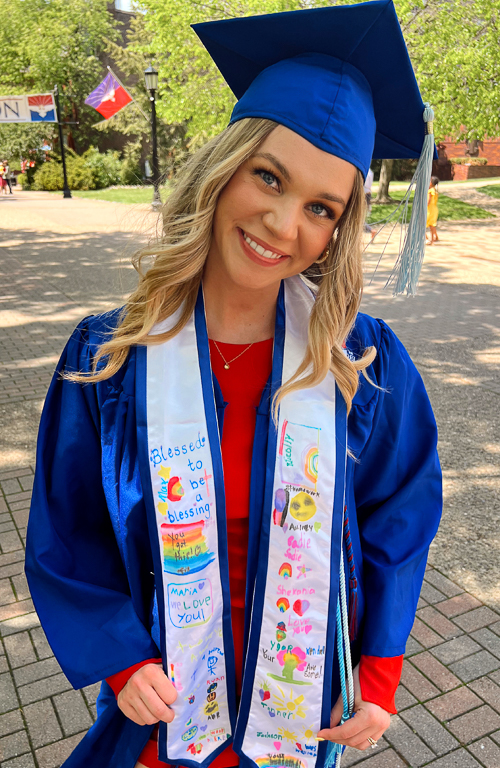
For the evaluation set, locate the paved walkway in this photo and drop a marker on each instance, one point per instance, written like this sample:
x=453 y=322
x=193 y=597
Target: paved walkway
x=62 y=259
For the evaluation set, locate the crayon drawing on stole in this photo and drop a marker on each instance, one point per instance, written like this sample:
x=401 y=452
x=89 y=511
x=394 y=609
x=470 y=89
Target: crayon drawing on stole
x=190 y=604
x=280 y=760
x=299 y=452
x=187 y=543
x=296 y=500
x=184 y=548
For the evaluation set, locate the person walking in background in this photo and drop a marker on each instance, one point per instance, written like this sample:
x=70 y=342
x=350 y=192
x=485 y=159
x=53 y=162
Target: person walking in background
x=6 y=170
x=368 y=197
x=432 y=210
x=3 y=178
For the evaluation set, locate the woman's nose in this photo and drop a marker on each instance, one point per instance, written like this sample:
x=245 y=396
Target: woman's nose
x=283 y=222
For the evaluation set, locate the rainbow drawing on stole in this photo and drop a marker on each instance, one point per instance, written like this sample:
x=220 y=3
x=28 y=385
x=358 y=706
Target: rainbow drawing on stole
x=299 y=453
x=185 y=549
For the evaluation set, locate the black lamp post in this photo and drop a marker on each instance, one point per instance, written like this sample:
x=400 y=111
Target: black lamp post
x=66 y=189
x=151 y=77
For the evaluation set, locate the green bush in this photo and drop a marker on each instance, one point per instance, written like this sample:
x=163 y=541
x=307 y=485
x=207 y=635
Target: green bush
x=92 y=170
x=80 y=174
x=49 y=177
x=469 y=160
x=23 y=181
x=130 y=166
x=105 y=168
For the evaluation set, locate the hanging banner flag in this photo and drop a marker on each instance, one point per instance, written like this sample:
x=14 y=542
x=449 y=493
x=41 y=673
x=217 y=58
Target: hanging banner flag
x=35 y=108
x=109 y=97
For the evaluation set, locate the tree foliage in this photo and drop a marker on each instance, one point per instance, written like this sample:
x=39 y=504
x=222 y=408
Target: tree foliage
x=453 y=45
x=454 y=49
x=18 y=140
x=134 y=121
x=44 y=42
x=193 y=90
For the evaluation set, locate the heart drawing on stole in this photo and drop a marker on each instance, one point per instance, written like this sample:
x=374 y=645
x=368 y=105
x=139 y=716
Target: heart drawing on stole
x=301 y=606
x=277 y=744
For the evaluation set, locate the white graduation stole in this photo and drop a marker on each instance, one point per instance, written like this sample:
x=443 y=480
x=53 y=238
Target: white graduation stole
x=288 y=668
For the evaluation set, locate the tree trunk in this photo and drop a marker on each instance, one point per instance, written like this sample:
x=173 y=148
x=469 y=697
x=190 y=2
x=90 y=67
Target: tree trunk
x=383 y=184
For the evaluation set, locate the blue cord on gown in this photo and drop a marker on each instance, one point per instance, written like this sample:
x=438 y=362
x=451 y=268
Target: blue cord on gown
x=334 y=751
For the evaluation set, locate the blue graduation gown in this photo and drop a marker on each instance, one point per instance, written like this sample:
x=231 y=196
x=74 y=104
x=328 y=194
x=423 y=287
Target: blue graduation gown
x=89 y=561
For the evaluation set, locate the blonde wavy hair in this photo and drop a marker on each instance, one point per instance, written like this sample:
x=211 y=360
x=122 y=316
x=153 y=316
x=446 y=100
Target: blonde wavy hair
x=178 y=259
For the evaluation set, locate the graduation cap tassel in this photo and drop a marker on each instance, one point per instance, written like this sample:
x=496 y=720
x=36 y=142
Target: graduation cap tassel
x=406 y=271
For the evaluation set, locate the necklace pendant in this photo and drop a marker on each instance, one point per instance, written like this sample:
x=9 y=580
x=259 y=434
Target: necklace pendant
x=226 y=366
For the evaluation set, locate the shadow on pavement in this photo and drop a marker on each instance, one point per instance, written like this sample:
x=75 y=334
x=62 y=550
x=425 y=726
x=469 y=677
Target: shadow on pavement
x=451 y=329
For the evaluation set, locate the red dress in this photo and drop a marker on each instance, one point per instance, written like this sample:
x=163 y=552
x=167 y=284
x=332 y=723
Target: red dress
x=242 y=386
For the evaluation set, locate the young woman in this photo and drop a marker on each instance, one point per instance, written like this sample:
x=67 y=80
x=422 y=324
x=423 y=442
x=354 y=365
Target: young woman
x=432 y=210
x=237 y=479
x=4 y=170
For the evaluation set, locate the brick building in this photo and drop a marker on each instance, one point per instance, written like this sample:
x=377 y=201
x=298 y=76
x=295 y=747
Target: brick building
x=489 y=149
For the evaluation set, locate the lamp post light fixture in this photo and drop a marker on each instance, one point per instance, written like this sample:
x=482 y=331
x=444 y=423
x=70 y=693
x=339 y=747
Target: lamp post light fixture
x=151 y=78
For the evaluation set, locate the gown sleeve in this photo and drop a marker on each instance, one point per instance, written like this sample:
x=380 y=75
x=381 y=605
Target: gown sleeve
x=118 y=681
x=397 y=487
x=75 y=571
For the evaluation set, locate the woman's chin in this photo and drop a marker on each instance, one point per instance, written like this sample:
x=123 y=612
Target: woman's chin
x=252 y=278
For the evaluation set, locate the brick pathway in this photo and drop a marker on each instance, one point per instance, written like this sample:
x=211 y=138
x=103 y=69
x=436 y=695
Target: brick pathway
x=448 y=700
x=56 y=267
x=42 y=718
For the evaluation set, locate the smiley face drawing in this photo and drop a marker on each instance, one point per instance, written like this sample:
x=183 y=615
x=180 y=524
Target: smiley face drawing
x=302 y=507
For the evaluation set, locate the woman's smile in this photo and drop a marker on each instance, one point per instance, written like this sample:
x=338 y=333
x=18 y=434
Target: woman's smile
x=259 y=251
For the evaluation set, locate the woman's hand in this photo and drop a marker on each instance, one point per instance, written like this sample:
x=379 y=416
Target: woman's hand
x=370 y=720
x=147 y=696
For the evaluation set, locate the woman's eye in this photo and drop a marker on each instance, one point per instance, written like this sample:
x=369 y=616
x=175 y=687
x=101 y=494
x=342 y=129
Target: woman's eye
x=268 y=178
x=320 y=210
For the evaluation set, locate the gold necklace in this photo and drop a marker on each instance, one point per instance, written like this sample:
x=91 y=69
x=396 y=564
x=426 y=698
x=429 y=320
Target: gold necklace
x=227 y=362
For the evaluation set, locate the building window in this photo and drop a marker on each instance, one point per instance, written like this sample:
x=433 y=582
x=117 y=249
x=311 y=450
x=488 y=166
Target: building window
x=124 y=5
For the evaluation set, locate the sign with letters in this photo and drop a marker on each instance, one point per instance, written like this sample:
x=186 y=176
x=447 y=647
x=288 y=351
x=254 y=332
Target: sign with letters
x=35 y=108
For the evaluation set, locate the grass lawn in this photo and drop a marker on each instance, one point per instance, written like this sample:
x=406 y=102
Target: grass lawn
x=493 y=190
x=132 y=196
x=449 y=209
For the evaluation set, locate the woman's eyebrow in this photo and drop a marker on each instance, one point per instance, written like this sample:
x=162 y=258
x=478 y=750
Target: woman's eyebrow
x=332 y=198
x=281 y=168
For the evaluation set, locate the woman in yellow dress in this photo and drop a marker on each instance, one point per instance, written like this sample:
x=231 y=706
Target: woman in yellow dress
x=432 y=209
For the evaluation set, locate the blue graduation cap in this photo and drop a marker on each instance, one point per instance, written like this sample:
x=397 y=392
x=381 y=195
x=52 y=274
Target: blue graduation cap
x=342 y=78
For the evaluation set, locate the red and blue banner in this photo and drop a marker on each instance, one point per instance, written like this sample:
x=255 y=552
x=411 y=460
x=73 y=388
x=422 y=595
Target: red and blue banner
x=109 y=97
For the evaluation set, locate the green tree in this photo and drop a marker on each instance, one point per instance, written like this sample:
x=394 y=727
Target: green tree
x=193 y=90
x=134 y=121
x=17 y=140
x=454 y=50
x=44 y=42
